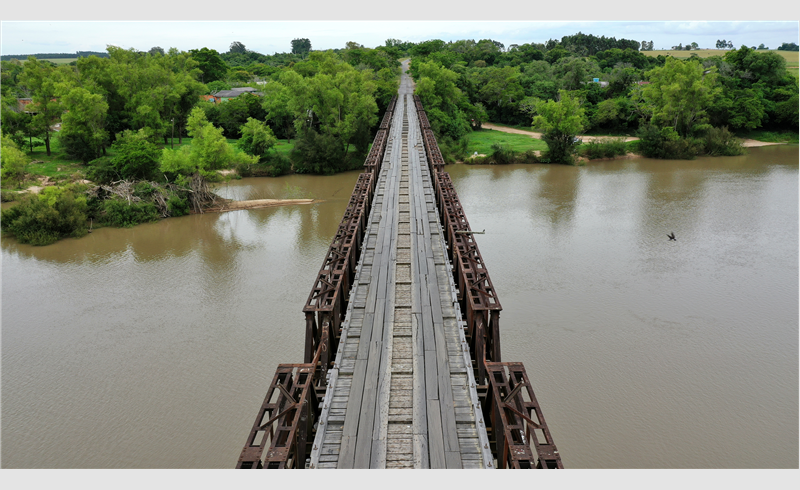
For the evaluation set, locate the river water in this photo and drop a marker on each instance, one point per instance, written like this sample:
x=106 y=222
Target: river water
x=152 y=347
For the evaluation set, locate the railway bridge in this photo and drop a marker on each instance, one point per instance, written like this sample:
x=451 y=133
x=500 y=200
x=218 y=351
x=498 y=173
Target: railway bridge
x=402 y=364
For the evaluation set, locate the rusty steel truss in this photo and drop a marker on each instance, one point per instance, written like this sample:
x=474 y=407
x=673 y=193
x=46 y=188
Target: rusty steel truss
x=513 y=416
x=285 y=425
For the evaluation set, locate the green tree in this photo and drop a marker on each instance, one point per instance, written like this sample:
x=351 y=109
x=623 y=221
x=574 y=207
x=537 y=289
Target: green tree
x=135 y=155
x=83 y=132
x=276 y=103
x=237 y=47
x=212 y=67
x=560 y=122
x=679 y=95
x=257 y=138
x=42 y=82
x=208 y=152
x=16 y=123
x=447 y=107
x=575 y=72
x=301 y=46
x=500 y=92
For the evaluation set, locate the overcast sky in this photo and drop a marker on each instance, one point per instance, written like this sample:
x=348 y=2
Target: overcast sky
x=271 y=36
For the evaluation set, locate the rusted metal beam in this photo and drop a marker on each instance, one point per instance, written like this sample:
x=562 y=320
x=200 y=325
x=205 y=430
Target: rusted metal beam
x=518 y=425
x=513 y=415
x=285 y=423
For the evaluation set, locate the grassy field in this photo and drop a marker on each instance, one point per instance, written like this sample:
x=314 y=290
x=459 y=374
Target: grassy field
x=59 y=61
x=789 y=56
x=56 y=166
x=482 y=141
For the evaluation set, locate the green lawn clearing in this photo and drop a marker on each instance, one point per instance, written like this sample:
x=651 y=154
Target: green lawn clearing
x=789 y=56
x=481 y=141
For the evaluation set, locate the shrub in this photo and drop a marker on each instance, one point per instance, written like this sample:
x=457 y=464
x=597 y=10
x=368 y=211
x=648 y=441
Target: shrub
x=453 y=150
x=135 y=155
x=45 y=218
x=144 y=189
x=502 y=154
x=118 y=212
x=529 y=156
x=665 y=143
x=721 y=142
x=102 y=171
x=605 y=148
x=13 y=161
x=177 y=205
x=8 y=196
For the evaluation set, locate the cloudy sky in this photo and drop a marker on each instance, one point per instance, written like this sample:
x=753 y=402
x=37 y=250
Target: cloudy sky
x=340 y=25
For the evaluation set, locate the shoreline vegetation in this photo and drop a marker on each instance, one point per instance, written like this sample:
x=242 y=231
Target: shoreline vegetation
x=136 y=136
x=506 y=149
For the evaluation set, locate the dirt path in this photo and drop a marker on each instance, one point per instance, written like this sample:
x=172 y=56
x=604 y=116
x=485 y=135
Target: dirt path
x=533 y=134
x=746 y=143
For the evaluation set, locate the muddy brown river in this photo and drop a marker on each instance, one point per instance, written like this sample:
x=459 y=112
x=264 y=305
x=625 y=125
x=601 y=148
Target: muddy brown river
x=152 y=347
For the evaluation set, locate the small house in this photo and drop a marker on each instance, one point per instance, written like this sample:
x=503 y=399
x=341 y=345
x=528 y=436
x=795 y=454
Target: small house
x=210 y=98
x=223 y=95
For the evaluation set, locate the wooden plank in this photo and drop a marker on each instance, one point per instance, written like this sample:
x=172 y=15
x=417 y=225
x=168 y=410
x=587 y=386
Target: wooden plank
x=452 y=460
x=366 y=334
x=444 y=383
x=435 y=436
x=420 y=407
x=350 y=427
x=427 y=329
x=431 y=376
x=378 y=456
x=366 y=417
x=421 y=456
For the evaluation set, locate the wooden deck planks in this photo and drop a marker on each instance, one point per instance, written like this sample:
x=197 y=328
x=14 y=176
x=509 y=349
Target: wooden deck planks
x=406 y=403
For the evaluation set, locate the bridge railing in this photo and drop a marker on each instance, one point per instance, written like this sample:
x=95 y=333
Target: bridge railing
x=284 y=427
x=285 y=422
x=514 y=419
x=327 y=302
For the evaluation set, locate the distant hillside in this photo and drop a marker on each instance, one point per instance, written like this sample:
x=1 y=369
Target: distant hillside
x=77 y=54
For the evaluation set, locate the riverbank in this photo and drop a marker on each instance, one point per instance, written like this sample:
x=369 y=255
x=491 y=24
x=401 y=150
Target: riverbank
x=479 y=158
x=747 y=143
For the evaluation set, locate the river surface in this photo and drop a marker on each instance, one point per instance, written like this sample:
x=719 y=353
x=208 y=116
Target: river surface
x=153 y=347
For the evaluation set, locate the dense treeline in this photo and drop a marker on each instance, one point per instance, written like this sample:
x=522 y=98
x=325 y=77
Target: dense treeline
x=77 y=54
x=99 y=98
x=117 y=115
x=672 y=104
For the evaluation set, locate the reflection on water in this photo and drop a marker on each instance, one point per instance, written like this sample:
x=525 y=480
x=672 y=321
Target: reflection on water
x=643 y=352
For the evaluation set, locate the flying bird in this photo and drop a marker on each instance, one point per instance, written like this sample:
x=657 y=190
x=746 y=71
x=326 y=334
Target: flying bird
x=671 y=236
